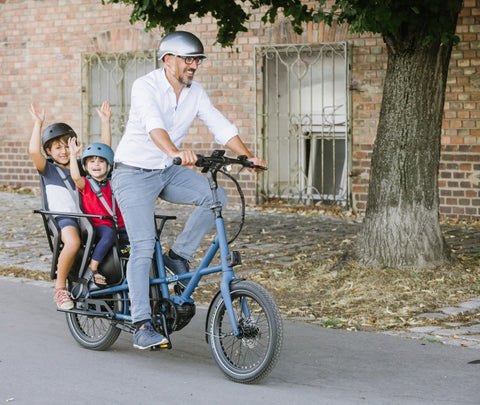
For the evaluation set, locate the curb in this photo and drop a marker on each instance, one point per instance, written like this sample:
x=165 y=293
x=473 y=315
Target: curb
x=451 y=333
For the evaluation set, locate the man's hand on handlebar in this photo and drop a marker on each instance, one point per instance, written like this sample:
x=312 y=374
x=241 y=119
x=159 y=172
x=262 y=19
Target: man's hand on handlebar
x=257 y=162
x=187 y=157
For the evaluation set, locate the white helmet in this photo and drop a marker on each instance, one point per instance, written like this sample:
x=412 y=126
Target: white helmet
x=180 y=43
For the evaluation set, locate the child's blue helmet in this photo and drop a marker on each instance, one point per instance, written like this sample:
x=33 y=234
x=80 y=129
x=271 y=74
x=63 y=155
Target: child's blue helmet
x=100 y=150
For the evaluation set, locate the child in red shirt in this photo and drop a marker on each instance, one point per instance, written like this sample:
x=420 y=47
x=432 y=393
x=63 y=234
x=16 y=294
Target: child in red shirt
x=97 y=161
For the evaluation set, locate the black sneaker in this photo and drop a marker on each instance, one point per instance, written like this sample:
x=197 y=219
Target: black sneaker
x=146 y=337
x=177 y=266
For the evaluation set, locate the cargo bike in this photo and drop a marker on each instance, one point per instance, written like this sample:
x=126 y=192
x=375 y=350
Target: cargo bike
x=243 y=324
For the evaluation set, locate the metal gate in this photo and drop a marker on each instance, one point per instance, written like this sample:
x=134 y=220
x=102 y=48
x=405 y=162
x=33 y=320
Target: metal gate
x=109 y=77
x=302 y=112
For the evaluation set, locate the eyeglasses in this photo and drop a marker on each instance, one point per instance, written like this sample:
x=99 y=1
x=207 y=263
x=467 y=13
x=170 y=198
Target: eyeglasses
x=190 y=59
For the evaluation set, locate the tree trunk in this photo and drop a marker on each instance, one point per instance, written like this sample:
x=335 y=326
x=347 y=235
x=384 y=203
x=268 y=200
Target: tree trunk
x=401 y=227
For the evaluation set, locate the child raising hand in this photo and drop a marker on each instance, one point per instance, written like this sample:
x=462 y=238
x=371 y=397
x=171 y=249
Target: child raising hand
x=97 y=198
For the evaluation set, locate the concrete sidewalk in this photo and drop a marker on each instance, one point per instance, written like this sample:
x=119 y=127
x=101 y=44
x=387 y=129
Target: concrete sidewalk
x=286 y=238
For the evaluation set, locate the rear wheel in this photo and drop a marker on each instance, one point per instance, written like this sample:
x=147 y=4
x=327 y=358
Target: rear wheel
x=250 y=356
x=94 y=332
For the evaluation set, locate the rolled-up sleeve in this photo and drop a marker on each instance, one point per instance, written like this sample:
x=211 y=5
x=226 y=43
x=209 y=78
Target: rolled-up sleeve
x=221 y=127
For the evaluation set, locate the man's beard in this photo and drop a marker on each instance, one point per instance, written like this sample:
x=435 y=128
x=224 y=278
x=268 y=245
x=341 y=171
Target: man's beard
x=179 y=77
x=184 y=81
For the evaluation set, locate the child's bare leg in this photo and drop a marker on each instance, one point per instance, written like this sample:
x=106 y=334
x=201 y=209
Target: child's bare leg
x=99 y=279
x=71 y=244
x=94 y=265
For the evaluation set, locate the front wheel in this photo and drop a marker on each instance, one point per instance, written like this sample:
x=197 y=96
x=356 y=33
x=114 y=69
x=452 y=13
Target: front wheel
x=251 y=355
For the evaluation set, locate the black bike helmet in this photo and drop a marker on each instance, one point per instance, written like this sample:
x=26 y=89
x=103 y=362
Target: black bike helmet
x=55 y=131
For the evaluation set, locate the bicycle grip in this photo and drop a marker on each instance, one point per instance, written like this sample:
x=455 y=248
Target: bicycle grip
x=177 y=161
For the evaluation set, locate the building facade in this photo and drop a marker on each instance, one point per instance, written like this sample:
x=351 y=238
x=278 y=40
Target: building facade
x=308 y=103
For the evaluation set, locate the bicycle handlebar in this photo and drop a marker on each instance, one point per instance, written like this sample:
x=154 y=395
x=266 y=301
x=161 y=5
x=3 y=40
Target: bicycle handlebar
x=214 y=164
x=218 y=159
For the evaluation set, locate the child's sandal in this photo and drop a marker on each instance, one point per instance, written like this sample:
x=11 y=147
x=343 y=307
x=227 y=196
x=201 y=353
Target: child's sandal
x=98 y=279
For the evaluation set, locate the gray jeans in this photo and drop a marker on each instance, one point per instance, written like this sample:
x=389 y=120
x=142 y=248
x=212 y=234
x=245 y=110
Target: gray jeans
x=136 y=192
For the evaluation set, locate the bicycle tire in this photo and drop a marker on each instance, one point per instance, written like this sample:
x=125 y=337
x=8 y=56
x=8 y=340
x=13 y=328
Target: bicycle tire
x=93 y=332
x=250 y=356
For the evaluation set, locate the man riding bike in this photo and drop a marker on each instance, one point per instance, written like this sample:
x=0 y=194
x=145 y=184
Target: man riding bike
x=164 y=104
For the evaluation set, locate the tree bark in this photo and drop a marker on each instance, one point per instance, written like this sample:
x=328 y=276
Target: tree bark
x=401 y=227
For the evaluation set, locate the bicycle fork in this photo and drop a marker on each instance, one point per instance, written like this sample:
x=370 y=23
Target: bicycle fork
x=227 y=273
x=227 y=261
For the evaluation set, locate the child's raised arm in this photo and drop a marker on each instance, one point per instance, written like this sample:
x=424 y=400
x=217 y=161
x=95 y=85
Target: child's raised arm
x=105 y=113
x=74 y=169
x=35 y=145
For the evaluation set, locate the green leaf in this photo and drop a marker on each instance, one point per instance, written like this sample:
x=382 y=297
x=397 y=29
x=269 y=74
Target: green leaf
x=431 y=19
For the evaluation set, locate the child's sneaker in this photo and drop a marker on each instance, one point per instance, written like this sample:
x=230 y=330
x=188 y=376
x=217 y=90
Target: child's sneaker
x=62 y=298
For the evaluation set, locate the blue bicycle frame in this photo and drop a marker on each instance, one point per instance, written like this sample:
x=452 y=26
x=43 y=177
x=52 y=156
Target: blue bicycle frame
x=219 y=243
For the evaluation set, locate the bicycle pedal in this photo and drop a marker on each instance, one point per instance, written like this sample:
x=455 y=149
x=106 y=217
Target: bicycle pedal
x=161 y=347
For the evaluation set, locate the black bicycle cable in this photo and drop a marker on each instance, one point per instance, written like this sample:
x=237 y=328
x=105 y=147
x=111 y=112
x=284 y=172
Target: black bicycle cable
x=242 y=198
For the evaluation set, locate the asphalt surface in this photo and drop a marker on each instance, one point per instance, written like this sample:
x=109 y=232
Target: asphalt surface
x=287 y=237
x=41 y=364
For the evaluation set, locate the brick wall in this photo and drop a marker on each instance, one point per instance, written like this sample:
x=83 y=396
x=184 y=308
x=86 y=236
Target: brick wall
x=369 y=64
x=40 y=46
x=41 y=43
x=459 y=175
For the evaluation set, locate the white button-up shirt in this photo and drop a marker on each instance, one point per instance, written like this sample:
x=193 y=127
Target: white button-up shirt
x=154 y=105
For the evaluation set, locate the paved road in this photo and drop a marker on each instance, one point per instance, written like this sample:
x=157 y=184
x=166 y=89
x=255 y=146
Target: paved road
x=41 y=364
